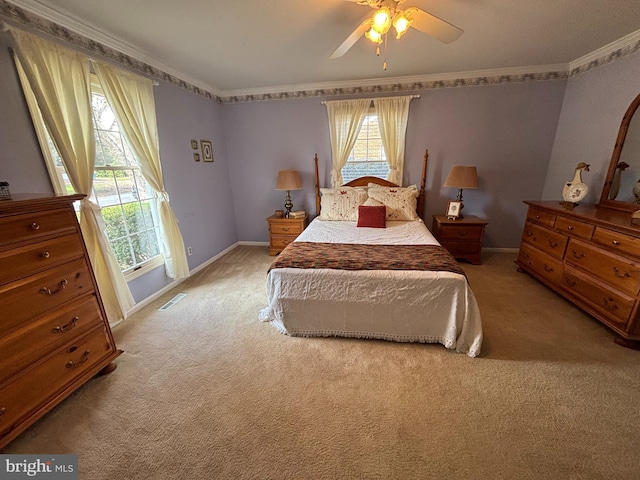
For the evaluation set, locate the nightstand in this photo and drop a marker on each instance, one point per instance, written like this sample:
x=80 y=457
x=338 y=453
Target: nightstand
x=462 y=237
x=283 y=231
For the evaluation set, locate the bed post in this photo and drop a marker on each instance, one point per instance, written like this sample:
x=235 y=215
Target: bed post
x=421 y=195
x=315 y=160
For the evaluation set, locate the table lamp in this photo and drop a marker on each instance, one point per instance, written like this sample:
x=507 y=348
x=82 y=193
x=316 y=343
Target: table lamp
x=288 y=180
x=461 y=177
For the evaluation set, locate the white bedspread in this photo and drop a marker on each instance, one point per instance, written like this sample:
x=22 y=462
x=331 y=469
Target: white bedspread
x=397 y=305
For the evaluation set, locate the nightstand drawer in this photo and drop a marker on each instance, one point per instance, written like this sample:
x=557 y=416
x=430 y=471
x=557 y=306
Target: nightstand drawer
x=289 y=228
x=461 y=232
x=280 y=242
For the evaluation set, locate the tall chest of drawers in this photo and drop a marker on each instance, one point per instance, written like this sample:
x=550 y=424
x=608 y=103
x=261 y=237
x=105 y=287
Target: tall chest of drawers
x=54 y=333
x=591 y=256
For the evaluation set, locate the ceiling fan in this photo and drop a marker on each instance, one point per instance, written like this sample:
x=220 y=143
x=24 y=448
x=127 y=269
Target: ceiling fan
x=387 y=14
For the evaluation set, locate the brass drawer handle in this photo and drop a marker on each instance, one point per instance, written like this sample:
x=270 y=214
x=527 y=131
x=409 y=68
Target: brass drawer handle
x=61 y=285
x=569 y=228
x=553 y=244
x=463 y=233
x=547 y=268
x=616 y=271
x=285 y=229
x=35 y=226
x=85 y=357
x=609 y=303
x=529 y=234
x=45 y=254
x=67 y=327
x=525 y=255
x=537 y=217
x=616 y=242
x=2 y=410
x=576 y=255
x=571 y=283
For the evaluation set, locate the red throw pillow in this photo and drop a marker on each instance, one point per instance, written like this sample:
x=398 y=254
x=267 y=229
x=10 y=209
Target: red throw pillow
x=373 y=217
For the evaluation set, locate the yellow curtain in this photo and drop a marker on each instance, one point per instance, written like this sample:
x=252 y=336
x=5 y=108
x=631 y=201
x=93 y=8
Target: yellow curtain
x=58 y=79
x=345 y=121
x=131 y=99
x=393 y=115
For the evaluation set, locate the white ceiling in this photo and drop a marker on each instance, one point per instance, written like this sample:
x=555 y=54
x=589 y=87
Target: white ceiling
x=238 y=46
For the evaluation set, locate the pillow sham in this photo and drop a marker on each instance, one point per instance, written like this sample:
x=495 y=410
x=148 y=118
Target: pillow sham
x=400 y=201
x=341 y=203
x=373 y=217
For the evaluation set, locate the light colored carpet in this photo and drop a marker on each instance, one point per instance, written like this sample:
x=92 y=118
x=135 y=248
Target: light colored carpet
x=204 y=390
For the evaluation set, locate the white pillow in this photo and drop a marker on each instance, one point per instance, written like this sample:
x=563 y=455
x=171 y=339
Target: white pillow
x=400 y=201
x=341 y=203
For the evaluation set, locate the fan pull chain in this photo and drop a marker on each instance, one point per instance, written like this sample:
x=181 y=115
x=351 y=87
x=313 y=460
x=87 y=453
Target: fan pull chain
x=384 y=65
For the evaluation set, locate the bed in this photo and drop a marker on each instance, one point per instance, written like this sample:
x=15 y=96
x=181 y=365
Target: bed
x=375 y=273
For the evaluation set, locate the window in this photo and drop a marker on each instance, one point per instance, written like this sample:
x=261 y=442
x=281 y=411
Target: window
x=367 y=156
x=126 y=200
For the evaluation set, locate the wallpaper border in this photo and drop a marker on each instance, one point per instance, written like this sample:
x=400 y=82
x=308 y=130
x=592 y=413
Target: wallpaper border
x=14 y=14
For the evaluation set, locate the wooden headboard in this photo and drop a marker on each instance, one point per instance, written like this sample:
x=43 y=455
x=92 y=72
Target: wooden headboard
x=364 y=181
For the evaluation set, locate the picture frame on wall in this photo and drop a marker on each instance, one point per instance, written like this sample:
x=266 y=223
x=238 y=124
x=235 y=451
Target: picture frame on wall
x=194 y=144
x=196 y=157
x=453 y=209
x=207 y=151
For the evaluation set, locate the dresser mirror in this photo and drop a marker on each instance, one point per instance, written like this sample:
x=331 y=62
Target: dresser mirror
x=622 y=186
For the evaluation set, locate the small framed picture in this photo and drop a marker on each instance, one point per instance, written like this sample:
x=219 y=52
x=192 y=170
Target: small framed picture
x=207 y=151
x=196 y=157
x=453 y=210
x=194 y=144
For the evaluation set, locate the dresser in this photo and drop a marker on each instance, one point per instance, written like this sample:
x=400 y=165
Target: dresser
x=283 y=231
x=54 y=334
x=462 y=237
x=590 y=255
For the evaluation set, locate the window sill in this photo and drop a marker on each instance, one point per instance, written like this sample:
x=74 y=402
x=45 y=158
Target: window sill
x=144 y=268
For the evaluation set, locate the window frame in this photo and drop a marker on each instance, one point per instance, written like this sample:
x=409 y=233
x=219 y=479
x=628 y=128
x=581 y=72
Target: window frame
x=371 y=113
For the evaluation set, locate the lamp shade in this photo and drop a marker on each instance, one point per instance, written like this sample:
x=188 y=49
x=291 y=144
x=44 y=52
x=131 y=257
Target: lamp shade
x=462 y=177
x=288 y=180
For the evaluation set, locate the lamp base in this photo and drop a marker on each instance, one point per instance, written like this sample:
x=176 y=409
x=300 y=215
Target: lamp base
x=288 y=205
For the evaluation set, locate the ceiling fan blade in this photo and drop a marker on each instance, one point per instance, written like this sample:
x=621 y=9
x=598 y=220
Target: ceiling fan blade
x=351 y=39
x=435 y=27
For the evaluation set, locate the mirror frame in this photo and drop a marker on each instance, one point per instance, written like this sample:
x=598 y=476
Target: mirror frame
x=615 y=158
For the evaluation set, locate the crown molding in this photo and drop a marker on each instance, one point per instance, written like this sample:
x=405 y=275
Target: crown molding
x=613 y=51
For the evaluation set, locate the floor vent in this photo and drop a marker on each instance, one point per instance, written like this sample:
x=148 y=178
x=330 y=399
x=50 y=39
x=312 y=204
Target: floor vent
x=172 y=302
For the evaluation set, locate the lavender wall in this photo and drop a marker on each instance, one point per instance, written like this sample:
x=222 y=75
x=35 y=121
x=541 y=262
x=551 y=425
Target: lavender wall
x=507 y=131
x=593 y=107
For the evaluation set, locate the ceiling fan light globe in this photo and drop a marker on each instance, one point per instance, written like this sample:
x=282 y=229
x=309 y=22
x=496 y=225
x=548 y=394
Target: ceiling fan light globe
x=374 y=36
x=401 y=23
x=381 y=20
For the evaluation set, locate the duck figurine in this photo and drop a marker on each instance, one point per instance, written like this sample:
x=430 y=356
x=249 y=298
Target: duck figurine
x=575 y=190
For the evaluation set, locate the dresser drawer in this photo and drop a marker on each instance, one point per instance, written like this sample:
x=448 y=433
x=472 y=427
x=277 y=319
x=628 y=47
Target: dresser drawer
x=29 y=297
x=574 y=227
x=549 y=241
x=18 y=228
x=289 y=228
x=617 y=271
x=543 y=265
x=543 y=217
x=41 y=336
x=461 y=232
x=28 y=392
x=31 y=258
x=616 y=306
x=617 y=241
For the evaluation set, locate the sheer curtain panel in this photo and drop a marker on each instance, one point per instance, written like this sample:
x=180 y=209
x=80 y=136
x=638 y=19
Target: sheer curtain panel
x=345 y=121
x=60 y=83
x=393 y=115
x=131 y=99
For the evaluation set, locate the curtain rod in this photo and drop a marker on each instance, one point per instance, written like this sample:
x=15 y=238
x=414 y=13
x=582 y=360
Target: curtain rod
x=324 y=102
